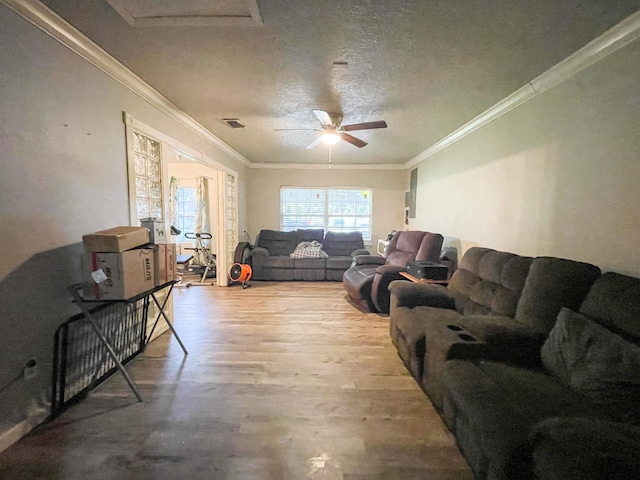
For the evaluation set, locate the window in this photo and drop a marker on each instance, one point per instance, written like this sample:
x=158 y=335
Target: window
x=335 y=210
x=186 y=213
x=148 y=180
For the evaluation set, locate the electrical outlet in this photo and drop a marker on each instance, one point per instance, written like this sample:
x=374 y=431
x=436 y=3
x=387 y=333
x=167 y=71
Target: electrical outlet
x=30 y=369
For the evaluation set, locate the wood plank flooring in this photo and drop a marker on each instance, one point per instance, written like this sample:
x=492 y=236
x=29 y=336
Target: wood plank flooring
x=283 y=381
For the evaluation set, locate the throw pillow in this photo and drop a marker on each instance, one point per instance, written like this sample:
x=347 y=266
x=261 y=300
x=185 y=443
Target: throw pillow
x=595 y=362
x=309 y=250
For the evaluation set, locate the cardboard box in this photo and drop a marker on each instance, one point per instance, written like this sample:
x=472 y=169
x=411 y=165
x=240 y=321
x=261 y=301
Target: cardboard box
x=157 y=232
x=117 y=239
x=117 y=276
x=164 y=258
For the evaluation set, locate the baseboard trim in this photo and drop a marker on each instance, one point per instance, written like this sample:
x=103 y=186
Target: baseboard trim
x=15 y=433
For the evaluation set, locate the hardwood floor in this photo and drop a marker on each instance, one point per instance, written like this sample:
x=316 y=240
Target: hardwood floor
x=282 y=381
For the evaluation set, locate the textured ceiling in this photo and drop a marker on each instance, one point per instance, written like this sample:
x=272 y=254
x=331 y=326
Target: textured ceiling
x=425 y=66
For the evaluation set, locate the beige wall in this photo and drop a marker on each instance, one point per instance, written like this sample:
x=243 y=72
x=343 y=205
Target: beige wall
x=558 y=176
x=63 y=173
x=263 y=194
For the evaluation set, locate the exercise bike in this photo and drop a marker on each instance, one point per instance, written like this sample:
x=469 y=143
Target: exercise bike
x=206 y=260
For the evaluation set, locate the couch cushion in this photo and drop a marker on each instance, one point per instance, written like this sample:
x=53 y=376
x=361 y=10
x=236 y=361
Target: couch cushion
x=584 y=449
x=339 y=262
x=277 y=261
x=310 y=234
x=342 y=243
x=466 y=276
x=470 y=261
x=595 y=362
x=277 y=242
x=553 y=283
x=430 y=248
x=614 y=301
x=490 y=408
x=498 y=284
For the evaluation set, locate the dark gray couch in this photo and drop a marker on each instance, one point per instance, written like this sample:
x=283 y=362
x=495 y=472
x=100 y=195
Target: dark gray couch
x=533 y=364
x=271 y=256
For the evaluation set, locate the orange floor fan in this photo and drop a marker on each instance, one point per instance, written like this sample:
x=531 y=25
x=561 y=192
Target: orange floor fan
x=240 y=273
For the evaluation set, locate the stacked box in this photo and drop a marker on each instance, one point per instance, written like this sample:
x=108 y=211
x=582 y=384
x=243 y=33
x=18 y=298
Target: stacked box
x=117 y=239
x=117 y=275
x=118 y=264
x=157 y=232
x=165 y=263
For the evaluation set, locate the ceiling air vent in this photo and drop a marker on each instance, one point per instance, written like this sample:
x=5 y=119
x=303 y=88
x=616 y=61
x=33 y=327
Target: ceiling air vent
x=233 y=122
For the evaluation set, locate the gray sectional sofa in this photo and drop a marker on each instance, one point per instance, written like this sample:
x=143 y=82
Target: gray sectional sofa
x=271 y=258
x=533 y=363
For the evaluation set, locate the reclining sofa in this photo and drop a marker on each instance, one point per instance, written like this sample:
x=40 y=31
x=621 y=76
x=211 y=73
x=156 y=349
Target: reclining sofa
x=327 y=257
x=367 y=280
x=533 y=363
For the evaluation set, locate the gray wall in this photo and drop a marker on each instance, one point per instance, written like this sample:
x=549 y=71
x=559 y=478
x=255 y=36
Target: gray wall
x=263 y=194
x=63 y=174
x=557 y=176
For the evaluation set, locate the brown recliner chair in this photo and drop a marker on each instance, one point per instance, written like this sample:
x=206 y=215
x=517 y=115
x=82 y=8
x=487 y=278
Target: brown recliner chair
x=367 y=280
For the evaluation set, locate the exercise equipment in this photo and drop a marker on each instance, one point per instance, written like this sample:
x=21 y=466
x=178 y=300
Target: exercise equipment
x=240 y=273
x=182 y=261
x=206 y=260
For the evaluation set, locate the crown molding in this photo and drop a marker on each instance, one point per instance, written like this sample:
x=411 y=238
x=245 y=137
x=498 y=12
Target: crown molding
x=57 y=28
x=327 y=166
x=612 y=40
x=60 y=30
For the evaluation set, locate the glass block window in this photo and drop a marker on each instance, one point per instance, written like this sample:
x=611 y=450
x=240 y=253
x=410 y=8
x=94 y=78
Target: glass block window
x=334 y=209
x=148 y=178
x=231 y=216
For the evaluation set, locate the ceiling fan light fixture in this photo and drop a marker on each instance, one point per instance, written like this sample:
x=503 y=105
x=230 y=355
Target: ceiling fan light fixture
x=330 y=138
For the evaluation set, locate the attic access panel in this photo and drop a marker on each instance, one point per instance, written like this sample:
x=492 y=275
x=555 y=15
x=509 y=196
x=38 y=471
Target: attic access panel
x=169 y=13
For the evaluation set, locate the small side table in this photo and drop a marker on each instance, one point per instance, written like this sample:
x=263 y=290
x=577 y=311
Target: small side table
x=414 y=279
x=147 y=297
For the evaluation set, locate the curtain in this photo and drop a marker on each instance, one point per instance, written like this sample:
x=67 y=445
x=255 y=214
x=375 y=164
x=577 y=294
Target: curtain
x=202 y=212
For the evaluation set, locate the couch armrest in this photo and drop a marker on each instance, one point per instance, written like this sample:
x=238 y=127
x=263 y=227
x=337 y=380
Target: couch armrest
x=409 y=294
x=507 y=340
x=259 y=252
x=585 y=449
x=516 y=347
x=360 y=251
x=368 y=260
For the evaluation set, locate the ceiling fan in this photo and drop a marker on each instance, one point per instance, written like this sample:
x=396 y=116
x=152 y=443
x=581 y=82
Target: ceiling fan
x=333 y=131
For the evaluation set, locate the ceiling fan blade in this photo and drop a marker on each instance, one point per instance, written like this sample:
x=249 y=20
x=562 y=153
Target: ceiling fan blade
x=353 y=140
x=324 y=117
x=364 y=126
x=314 y=143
